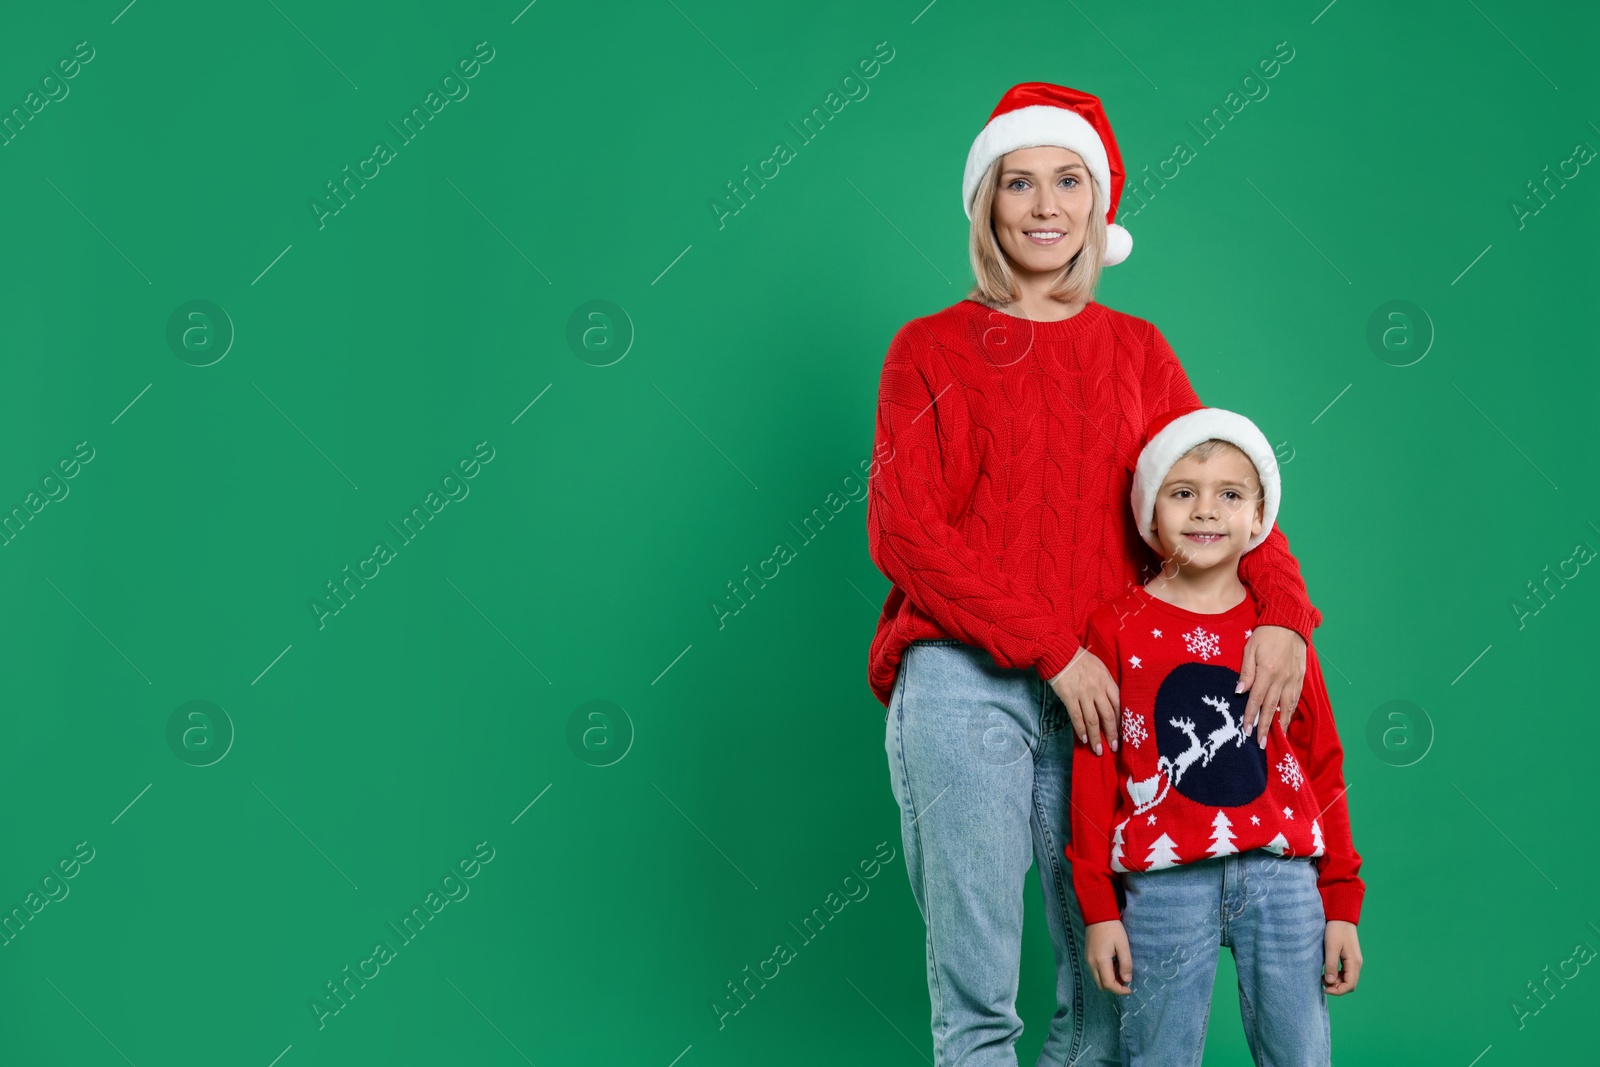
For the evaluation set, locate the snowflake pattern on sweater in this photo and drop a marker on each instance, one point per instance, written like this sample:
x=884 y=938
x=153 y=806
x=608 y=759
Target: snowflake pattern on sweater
x=1190 y=783
x=1202 y=643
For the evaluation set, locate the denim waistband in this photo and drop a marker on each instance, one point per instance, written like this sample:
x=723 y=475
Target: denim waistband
x=947 y=642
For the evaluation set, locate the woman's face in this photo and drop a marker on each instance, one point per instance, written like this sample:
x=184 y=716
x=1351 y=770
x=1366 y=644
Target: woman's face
x=1041 y=209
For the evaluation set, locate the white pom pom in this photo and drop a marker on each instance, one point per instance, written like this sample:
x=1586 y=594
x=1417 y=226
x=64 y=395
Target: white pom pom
x=1119 y=243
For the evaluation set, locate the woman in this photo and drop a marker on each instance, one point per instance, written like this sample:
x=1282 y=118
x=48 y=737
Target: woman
x=1010 y=421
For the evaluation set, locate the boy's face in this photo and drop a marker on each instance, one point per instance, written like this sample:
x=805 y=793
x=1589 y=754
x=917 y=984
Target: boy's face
x=1208 y=510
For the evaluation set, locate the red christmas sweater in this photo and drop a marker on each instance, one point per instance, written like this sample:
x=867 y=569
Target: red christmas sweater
x=1186 y=784
x=999 y=502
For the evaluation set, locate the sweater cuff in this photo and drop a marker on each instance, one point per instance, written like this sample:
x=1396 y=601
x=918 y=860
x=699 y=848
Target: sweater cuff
x=1097 y=898
x=1301 y=620
x=1055 y=655
x=1341 y=903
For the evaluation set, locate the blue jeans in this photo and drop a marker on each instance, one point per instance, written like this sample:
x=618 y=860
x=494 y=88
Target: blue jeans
x=1264 y=907
x=980 y=759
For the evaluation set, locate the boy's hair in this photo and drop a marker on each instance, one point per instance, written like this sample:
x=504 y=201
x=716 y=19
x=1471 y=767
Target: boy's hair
x=995 y=283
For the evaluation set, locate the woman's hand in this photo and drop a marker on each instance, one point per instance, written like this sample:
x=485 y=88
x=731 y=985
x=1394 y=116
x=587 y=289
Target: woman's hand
x=1274 y=668
x=1090 y=695
x=1341 y=958
x=1109 y=959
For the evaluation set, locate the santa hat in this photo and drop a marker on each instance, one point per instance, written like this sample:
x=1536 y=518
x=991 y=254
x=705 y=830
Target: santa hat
x=1038 y=113
x=1177 y=431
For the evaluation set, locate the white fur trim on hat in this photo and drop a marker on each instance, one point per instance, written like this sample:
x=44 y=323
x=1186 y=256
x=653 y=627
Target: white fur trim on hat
x=1034 y=126
x=1119 y=243
x=1182 y=434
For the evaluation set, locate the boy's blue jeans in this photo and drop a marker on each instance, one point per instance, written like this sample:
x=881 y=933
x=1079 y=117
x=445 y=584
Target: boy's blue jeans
x=1267 y=909
x=980 y=758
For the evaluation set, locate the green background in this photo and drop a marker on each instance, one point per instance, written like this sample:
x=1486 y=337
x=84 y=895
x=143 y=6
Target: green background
x=436 y=710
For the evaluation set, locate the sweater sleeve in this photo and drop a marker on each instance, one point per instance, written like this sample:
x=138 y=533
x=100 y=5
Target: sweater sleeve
x=912 y=541
x=1094 y=804
x=1315 y=740
x=1271 y=573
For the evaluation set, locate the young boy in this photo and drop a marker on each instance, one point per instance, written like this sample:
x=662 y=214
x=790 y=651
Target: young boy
x=1217 y=840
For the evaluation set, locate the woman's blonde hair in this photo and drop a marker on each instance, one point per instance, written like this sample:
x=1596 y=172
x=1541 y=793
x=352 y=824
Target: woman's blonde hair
x=996 y=284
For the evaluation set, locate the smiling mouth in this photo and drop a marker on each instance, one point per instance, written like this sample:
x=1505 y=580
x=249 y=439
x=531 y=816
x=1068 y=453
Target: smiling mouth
x=1205 y=538
x=1044 y=237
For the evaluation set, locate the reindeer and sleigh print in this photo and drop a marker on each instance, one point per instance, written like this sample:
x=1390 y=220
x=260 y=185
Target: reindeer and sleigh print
x=1195 y=784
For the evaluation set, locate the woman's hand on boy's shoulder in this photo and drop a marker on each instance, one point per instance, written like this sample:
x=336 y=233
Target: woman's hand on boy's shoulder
x=1089 y=693
x=1274 y=670
x=1341 y=958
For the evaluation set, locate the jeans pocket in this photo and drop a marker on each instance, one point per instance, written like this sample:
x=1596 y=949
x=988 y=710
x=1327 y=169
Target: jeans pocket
x=1052 y=713
x=897 y=691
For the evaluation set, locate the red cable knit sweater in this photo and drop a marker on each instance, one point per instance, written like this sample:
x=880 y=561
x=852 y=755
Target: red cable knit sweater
x=1000 y=506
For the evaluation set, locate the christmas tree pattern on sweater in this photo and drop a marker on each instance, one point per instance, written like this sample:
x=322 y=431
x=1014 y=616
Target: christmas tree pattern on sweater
x=1188 y=783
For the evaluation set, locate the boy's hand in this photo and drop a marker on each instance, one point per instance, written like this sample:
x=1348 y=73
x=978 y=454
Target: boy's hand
x=1273 y=671
x=1109 y=958
x=1339 y=946
x=1090 y=695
